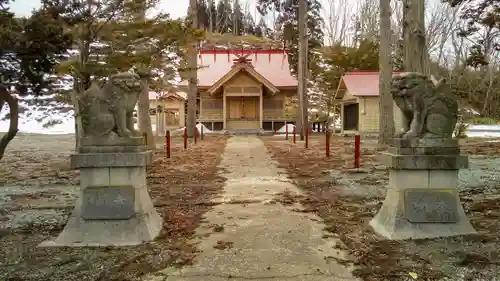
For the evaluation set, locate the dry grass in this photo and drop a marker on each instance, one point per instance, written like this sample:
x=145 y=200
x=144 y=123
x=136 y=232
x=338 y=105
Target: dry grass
x=347 y=211
x=182 y=189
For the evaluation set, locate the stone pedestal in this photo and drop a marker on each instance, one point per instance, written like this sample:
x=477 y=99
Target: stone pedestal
x=114 y=207
x=422 y=199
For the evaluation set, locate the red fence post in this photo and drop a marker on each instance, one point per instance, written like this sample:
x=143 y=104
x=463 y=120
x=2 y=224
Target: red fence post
x=307 y=138
x=294 y=138
x=286 y=131
x=185 y=138
x=357 y=150
x=195 y=134
x=201 y=132
x=327 y=142
x=167 y=143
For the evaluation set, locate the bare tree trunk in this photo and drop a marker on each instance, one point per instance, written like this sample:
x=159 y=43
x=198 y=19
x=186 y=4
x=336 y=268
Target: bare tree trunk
x=143 y=114
x=236 y=23
x=193 y=73
x=77 y=116
x=145 y=126
x=305 y=98
x=210 y=16
x=489 y=88
x=488 y=70
x=416 y=55
x=386 y=118
x=302 y=116
x=79 y=87
x=6 y=97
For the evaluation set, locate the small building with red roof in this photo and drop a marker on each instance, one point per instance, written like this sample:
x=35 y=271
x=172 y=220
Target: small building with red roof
x=359 y=99
x=244 y=90
x=167 y=110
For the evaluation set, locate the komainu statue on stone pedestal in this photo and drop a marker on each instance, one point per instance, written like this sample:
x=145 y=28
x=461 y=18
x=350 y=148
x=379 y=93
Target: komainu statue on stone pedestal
x=108 y=111
x=429 y=110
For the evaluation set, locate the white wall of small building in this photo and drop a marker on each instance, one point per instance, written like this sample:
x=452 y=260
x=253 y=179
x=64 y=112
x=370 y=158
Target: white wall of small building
x=368 y=116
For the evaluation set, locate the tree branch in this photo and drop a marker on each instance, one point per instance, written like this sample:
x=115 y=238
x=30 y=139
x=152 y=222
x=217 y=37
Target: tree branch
x=115 y=9
x=5 y=96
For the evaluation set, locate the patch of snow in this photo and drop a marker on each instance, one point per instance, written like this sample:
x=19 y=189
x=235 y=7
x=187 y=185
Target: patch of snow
x=98 y=45
x=40 y=115
x=136 y=126
x=471 y=111
x=284 y=128
x=484 y=128
x=198 y=127
x=483 y=131
x=483 y=134
x=205 y=129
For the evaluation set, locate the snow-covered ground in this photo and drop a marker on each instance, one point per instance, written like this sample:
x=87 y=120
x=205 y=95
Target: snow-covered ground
x=42 y=115
x=51 y=117
x=483 y=131
x=48 y=117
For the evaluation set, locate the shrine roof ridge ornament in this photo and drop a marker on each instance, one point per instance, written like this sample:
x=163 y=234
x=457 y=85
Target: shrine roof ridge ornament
x=242 y=59
x=242 y=51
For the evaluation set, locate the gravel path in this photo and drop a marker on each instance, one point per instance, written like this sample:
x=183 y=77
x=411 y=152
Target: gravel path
x=259 y=239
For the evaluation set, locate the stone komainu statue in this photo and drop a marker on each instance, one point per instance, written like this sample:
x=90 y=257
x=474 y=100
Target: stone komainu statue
x=429 y=110
x=108 y=110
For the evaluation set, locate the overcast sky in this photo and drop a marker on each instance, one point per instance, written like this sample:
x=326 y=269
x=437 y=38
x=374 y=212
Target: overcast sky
x=176 y=9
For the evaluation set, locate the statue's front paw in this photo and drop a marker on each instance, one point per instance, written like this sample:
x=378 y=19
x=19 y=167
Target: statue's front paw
x=400 y=135
x=125 y=133
x=409 y=135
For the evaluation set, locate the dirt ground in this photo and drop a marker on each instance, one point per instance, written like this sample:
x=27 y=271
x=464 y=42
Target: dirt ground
x=348 y=201
x=38 y=191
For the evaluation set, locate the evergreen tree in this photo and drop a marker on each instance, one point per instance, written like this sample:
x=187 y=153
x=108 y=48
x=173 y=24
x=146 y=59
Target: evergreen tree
x=127 y=40
x=224 y=23
x=238 y=19
x=203 y=16
x=261 y=30
x=287 y=22
x=212 y=15
x=248 y=24
x=28 y=51
x=30 y=45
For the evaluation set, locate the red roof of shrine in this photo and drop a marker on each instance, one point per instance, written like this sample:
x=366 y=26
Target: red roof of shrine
x=362 y=83
x=271 y=64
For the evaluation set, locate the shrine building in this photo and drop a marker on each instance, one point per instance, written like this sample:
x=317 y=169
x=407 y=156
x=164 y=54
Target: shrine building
x=244 y=90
